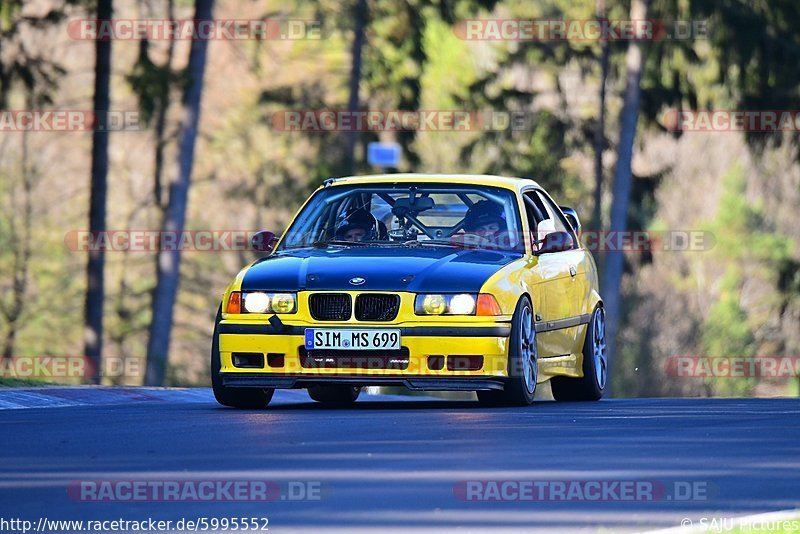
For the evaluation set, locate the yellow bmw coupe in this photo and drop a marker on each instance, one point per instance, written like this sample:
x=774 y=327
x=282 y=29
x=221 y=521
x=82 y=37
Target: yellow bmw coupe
x=432 y=282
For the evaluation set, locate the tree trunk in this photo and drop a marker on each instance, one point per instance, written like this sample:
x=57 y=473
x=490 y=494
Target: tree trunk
x=93 y=331
x=168 y=266
x=410 y=89
x=161 y=119
x=623 y=178
x=21 y=242
x=360 y=21
x=600 y=129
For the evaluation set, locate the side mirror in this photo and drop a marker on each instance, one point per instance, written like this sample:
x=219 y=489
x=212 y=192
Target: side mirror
x=556 y=242
x=572 y=217
x=263 y=241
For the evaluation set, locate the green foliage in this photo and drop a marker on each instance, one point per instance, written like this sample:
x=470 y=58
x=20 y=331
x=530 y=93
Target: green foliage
x=399 y=50
x=449 y=69
x=740 y=63
x=726 y=330
x=22 y=383
x=741 y=228
x=151 y=83
x=745 y=246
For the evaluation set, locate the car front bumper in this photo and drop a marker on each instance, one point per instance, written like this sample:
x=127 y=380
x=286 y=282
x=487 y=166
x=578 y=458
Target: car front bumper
x=486 y=343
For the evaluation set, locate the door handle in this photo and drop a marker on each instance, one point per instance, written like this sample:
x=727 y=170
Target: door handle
x=572 y=270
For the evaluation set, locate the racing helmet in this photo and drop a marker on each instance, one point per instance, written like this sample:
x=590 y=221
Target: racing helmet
x=357 y=218
x=484 y=212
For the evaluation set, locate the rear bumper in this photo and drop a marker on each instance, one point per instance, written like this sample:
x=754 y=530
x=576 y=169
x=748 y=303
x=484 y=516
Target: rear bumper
x=488 y=341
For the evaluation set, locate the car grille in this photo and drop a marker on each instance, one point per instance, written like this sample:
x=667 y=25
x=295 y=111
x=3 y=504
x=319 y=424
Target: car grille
x=377 y=307
x=362 y=359
x=330 y=306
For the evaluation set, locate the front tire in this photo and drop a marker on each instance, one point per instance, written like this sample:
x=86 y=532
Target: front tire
x=591 y=385
x=523 y=362
x=252 y=398
x=334 y=395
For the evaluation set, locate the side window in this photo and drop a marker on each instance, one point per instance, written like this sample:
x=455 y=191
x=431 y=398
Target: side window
x=532 y=210
x=537 y=217
x=559 y=223
x=546 y=221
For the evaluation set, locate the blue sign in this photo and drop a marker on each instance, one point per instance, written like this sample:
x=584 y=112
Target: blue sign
x=383 y=154
x=309 y=338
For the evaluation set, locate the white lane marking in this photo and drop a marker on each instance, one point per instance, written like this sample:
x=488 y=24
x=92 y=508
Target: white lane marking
x=16 y=399
x=62 y=397
x=368 y=472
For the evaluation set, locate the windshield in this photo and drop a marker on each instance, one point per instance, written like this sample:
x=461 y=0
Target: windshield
x=409 y=214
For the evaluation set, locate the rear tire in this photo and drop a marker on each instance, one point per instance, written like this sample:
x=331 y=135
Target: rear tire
x=334 y=395
x=591 y=385
x=523 y=362
x=252 y=398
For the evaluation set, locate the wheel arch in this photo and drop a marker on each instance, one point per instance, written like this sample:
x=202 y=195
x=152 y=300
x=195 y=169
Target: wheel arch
x=509 y=284
x=595 y=300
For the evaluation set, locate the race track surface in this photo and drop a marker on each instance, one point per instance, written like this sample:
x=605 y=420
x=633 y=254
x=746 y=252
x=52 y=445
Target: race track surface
x=400 y=463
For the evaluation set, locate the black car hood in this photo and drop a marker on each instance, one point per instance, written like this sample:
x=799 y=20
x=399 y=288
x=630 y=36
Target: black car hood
x=419 y=269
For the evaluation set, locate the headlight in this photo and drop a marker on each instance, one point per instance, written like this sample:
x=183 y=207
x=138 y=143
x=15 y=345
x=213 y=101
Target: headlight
x=256 y=302
x=283 y=303
x=433 y=304
x=462 y=305
x=436 y=304
x=260 y=302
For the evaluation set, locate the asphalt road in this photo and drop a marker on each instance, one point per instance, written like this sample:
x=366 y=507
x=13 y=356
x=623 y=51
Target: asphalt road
x=402 y=464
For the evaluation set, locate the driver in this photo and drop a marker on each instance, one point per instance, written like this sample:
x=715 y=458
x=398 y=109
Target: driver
x=485 y=219
x=358 y=225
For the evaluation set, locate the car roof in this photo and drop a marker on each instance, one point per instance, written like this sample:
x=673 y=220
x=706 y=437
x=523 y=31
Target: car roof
x=467 y=179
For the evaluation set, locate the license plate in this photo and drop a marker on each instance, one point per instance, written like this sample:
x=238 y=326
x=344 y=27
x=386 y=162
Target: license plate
x=329 y=338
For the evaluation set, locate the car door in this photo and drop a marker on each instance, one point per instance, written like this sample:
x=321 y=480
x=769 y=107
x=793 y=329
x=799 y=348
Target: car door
x=547 y=275
x=572 y=291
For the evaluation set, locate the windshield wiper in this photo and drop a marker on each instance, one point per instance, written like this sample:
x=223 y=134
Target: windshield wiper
x=338 y=243
x=431 y=243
